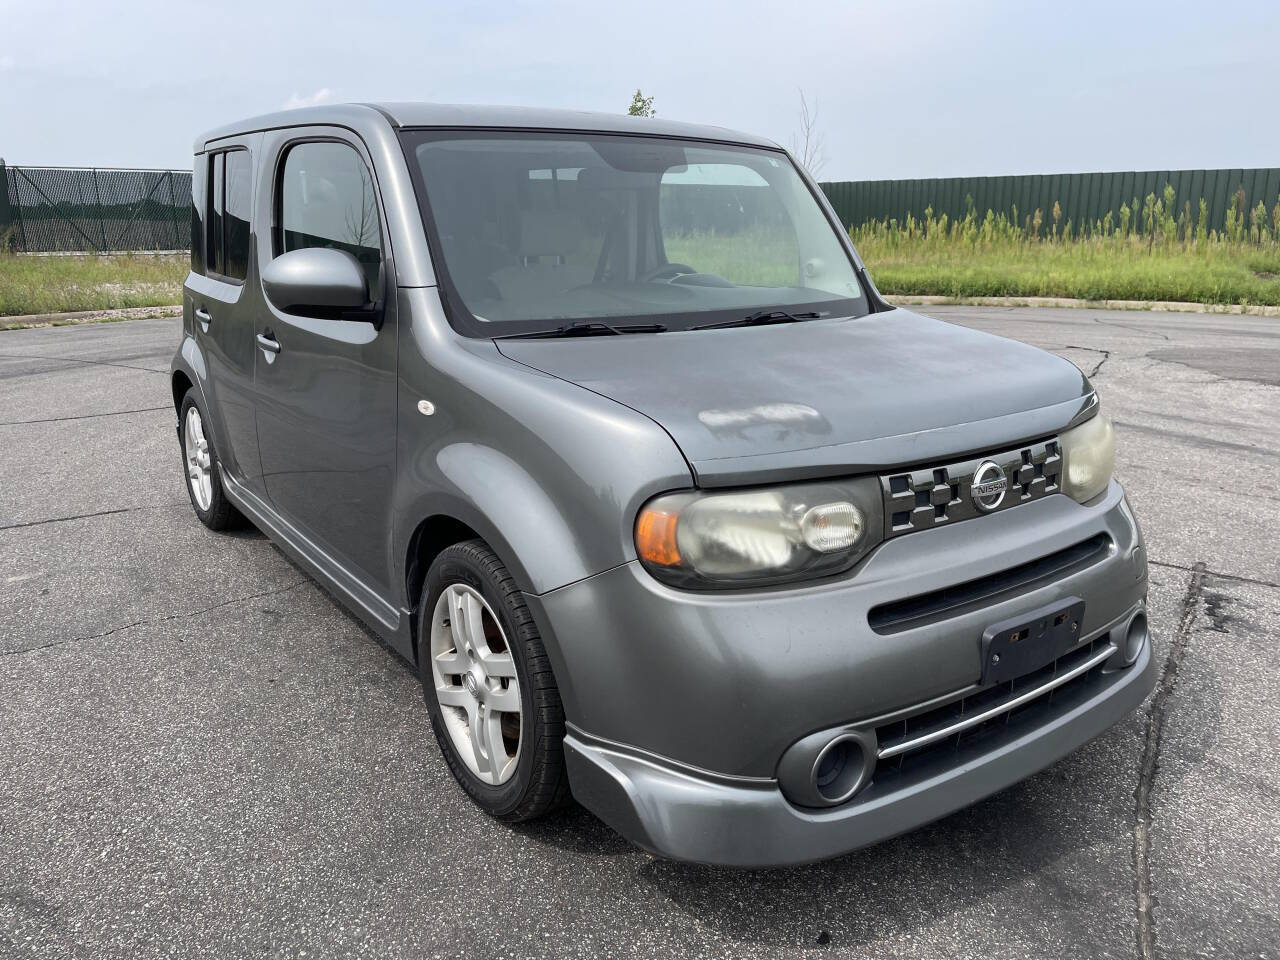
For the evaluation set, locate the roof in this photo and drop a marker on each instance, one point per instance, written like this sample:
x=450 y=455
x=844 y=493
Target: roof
x=468 y=115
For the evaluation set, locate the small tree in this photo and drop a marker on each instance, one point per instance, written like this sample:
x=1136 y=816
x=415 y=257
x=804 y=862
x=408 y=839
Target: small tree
x=362 y=222
x=641 y=106
x=808 y=145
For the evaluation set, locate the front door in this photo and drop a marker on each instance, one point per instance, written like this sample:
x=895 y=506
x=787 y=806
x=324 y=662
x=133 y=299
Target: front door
x=326 y=387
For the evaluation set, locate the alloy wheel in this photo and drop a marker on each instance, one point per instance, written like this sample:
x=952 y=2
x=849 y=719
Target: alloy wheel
x=199 y=462
x=476 y=683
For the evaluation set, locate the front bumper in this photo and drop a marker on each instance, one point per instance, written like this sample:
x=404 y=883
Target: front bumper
x=678 y=814
x=681 y=705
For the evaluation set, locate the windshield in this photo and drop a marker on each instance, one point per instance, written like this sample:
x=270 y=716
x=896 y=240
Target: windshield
x=536 y=230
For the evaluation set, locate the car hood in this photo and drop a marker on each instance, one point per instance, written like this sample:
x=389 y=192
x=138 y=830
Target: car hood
x=814 y=398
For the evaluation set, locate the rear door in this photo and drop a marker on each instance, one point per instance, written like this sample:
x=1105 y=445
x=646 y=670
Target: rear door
x=224 y=301
x=326 y=388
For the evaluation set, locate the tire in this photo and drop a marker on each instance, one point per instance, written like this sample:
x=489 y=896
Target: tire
x=200 y=459
x=468 y=584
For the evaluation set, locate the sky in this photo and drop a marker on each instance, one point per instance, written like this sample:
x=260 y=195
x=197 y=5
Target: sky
x=901 y=88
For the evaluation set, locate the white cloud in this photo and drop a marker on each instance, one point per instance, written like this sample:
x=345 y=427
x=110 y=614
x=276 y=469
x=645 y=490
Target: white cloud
x=323 y=95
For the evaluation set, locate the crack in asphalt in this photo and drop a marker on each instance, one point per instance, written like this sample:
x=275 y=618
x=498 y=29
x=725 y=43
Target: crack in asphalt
x=1133 y=329
x=96 y=363
x=1106 y=355
x=154 y=620
x=89 y=516
x=1144 y=895
x=85 y=416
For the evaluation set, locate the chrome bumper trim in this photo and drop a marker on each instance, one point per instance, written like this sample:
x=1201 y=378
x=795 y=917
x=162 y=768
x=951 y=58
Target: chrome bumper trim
x=952 y=729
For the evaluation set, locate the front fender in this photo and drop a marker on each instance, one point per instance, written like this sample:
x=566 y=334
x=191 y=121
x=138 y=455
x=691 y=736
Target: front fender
x=548 y=473
x=503 y=504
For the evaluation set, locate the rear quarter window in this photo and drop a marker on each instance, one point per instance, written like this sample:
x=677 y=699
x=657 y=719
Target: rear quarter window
x=239 y=201
x=213 y=214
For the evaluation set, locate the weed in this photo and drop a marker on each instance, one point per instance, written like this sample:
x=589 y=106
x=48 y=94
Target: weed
x=1159 y=254
x=30 y=284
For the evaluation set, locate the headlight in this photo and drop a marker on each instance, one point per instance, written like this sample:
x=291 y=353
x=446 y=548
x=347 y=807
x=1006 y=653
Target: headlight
x=1088 y=458
x=755 y=537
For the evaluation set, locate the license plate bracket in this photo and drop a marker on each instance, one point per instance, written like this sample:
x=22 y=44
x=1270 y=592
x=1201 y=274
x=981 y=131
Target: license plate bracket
x=1020 y=645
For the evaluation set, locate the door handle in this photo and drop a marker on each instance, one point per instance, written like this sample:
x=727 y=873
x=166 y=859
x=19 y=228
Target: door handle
x=204 y=317
x=268 y=342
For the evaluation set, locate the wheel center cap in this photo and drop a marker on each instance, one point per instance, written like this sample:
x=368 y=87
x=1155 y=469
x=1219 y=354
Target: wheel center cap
x=473 y=687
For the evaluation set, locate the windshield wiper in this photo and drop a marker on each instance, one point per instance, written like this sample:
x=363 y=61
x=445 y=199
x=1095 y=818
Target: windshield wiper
x=588 y=328
x=761 y=318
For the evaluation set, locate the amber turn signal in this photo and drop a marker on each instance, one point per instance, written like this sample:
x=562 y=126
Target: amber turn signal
x=656 y=537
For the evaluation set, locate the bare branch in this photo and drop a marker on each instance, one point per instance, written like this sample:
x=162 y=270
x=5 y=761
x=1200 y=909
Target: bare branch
x=809 y=145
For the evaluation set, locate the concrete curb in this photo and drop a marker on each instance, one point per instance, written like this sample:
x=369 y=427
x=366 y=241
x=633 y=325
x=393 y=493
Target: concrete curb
x=1170 y=306
x=87 y=316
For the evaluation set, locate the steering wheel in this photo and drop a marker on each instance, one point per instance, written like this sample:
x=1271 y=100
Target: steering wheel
x=668 y=271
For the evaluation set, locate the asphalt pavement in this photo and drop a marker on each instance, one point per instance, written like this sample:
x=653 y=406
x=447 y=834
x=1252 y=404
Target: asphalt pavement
x=201 y=753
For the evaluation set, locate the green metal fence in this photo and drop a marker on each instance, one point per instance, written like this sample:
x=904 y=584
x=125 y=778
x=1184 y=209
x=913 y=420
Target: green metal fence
x=94 y=210
x=1083 y=198
x=87 y=209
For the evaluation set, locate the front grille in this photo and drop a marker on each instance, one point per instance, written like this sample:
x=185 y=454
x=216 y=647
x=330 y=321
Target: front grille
x=943 y=494
x=925 y=608
x=916 y=740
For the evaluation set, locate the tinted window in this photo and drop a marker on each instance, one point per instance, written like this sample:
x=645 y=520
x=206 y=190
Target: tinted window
x=228 y=199
x=198 y=172
x=235 y=215
x=327 y=200
x=213 y=216
x=534 y=229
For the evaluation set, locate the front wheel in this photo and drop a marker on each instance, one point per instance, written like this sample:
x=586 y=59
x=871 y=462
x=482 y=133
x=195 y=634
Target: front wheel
x=489 y=688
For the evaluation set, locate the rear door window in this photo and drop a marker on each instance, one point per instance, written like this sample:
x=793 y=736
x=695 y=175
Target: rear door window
x=227 y=214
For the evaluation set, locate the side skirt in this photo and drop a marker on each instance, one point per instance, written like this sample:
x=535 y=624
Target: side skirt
x=387 y=621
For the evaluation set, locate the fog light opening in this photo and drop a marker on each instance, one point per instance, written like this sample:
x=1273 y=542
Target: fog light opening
x=1135 y=637
x=839 y=770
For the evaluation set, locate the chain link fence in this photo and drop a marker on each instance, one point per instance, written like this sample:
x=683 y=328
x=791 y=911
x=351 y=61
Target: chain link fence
x=94 y=210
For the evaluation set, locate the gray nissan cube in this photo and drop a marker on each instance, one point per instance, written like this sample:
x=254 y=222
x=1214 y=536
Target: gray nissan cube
x=601 y=423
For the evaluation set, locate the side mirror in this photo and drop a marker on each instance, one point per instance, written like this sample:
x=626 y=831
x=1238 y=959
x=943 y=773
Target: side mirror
x=316 y=279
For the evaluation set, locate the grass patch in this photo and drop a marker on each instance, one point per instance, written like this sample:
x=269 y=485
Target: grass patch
x=64 y=284
x=1155 y=256
x=1074 y=271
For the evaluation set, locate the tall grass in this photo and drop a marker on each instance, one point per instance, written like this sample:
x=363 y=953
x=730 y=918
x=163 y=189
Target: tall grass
x=61 y=284
x=1147 y=251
